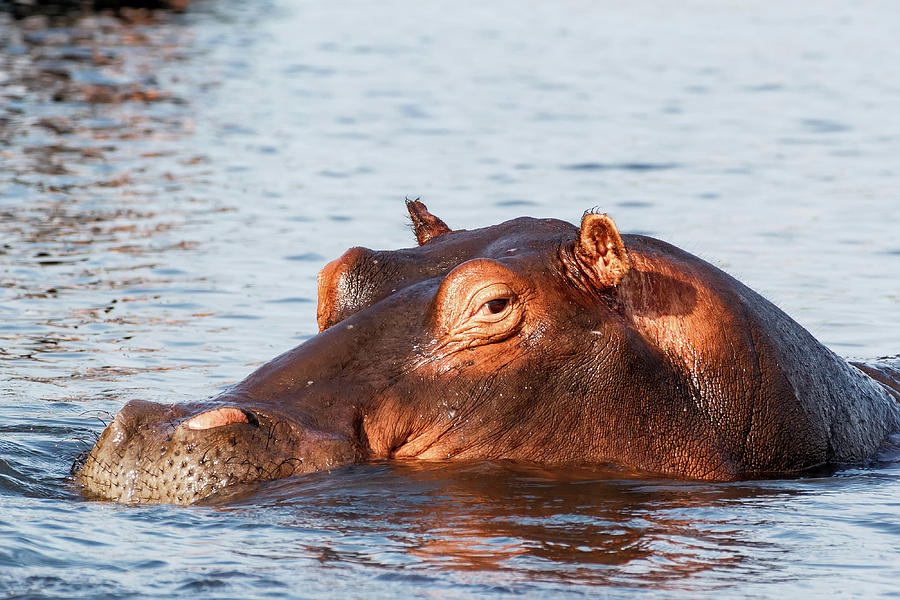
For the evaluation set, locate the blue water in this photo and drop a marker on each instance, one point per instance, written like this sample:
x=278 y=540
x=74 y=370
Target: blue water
x=170 y=185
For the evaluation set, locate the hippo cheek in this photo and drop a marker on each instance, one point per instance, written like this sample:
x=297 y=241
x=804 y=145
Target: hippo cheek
x=176 y=460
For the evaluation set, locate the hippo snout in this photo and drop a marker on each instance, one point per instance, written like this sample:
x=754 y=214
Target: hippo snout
x=180 y=454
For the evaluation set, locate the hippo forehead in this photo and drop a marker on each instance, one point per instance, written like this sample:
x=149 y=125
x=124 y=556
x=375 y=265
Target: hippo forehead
x=362 y=277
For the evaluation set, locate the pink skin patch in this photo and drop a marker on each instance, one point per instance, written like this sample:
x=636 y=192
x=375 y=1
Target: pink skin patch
x=217 y=418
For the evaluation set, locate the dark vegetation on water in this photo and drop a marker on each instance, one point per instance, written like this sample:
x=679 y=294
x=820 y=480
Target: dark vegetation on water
x=28 y=8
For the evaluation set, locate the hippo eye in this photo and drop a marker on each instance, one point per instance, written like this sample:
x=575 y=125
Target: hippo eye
x=495 y=306
x=493 y=302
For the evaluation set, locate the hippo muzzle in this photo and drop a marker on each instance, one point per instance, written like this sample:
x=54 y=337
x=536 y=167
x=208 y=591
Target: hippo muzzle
x=180 y=454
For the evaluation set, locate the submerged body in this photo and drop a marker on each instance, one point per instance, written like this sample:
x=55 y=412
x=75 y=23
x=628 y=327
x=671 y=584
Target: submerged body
x=530 y=340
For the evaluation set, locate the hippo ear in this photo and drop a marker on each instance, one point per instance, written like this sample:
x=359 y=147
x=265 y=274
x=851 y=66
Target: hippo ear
x=601 y=251
x=426 y=225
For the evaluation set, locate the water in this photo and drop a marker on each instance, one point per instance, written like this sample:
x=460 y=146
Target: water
x=170 y=185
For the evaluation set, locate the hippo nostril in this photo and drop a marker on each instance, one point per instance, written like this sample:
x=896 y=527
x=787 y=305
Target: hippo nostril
x=219 y=417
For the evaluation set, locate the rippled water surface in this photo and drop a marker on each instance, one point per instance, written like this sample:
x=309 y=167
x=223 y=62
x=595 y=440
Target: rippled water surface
x=171 y=183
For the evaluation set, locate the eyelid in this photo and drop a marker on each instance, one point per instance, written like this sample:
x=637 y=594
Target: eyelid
x=462 y=294
x=494 y=291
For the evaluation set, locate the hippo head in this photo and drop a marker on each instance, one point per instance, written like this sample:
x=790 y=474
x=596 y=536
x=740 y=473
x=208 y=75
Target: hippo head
x=531 y=340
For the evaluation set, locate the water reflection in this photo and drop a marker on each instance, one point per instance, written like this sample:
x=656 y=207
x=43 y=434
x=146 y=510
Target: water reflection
x=86 y=110
x=589 y=526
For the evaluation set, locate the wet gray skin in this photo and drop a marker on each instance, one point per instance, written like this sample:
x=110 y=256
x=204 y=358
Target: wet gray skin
x=532 y=340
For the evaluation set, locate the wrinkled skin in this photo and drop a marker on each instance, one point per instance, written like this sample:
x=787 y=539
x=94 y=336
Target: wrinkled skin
x=531 y=340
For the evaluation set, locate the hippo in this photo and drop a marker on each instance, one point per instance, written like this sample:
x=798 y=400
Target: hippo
x=533 y=340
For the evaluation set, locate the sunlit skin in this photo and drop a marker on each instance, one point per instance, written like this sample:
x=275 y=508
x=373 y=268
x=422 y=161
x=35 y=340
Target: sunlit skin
x=533 y=340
